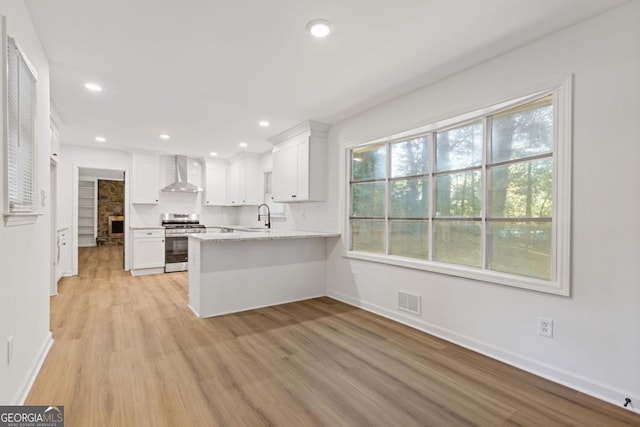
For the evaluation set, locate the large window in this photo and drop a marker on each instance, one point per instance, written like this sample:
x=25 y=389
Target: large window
x=21 y=132
x=485 y=195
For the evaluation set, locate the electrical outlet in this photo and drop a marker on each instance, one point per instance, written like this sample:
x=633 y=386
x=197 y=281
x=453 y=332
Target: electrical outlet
x=545 y=327
x=354 y=277
x=9 y=350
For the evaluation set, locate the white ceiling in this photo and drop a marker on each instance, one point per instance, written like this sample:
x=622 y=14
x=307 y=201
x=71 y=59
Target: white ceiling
x=206 y=71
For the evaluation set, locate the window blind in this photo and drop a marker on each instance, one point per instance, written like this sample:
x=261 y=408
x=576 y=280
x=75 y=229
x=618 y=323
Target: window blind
x=21 y=132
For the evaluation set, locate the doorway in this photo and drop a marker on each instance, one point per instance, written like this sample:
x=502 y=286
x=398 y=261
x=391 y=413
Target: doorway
x=101 y=212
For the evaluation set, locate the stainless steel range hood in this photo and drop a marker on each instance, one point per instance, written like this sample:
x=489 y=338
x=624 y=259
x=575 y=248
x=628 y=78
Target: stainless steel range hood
x=181 y=184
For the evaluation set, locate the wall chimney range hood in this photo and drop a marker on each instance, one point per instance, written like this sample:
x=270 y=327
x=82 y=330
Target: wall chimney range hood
x=181 y=184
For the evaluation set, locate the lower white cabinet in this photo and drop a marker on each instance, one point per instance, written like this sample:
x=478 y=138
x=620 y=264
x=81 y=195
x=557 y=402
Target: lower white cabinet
x=148 y=251
x=63 y=254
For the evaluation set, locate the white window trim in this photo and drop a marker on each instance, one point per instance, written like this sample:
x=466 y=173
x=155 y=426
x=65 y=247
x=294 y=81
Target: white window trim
x=12 y=219
x=561 y=246
x=280 y=216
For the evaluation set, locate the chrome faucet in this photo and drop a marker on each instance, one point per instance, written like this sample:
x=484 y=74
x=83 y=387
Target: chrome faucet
x=268 y=223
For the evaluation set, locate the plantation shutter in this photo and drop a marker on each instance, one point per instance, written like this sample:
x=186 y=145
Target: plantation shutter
x=21 y=130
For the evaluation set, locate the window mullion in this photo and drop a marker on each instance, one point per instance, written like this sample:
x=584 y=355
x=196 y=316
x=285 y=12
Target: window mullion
x=432 y=191
x=486 y=156
x=387 y=212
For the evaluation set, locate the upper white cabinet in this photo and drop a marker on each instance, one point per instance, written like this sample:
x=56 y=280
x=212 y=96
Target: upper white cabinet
x=145 y=186
x=300 y=162
x=215 y=180
x=243 y=180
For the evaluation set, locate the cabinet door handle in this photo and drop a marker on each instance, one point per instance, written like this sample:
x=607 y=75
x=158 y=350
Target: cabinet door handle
x=293 y=196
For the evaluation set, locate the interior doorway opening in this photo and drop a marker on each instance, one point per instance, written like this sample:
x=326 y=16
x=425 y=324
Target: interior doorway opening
x=101 y=214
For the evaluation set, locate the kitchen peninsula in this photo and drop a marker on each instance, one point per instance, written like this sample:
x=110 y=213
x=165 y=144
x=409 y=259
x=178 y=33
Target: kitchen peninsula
x=246 y=269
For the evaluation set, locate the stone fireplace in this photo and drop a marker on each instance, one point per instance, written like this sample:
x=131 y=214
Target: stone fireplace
x=110 y=212
x=116 y=226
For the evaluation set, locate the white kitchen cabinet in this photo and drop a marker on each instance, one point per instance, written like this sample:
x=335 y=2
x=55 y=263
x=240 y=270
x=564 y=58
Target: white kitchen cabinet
x=148 y=251
x=243 y=180
x=63 y=254
x=215 y=191
x=146 y=182
x=300 y=163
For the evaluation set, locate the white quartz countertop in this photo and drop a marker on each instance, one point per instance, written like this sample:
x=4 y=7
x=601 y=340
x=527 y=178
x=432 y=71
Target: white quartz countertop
x=240 y=236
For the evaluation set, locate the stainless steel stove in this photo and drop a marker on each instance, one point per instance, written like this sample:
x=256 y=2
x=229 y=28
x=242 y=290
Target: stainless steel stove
x=176 y=247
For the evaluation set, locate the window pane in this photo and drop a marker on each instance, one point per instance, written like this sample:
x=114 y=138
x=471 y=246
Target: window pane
x=368 y=235
x=410 y=239
x=410 y=198
x=369 y=163
x=458 y=242
x=521 y=248
x=522 y=189
x=459 y=195
x=367 y=199
x=410 y=158
x=459 y=148
x=524 y=131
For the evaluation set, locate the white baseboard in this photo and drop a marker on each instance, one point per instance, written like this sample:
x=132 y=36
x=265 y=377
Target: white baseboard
x=23 y=392
x=577 y=382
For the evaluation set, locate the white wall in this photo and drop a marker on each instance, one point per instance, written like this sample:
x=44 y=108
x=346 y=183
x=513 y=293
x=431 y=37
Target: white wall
x=25 y=251
x=596 y=343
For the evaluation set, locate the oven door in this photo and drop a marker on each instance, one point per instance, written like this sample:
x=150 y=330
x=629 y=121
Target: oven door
x=176 y=249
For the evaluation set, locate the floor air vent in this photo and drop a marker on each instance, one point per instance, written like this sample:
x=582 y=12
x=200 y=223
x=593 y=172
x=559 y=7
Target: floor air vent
x=409 y=303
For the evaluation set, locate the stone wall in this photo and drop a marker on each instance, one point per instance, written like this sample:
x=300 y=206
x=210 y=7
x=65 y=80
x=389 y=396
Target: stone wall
x=110 y=202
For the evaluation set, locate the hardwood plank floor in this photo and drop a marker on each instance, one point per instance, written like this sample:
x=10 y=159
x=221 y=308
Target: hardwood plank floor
x=129 y=352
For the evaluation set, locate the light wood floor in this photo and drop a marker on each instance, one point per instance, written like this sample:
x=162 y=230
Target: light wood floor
x=129 y=352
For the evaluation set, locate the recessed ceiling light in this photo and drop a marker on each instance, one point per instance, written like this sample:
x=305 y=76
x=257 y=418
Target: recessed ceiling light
x=93 y=87
x=101 y=138
x=263 y=123
x=213 y=153
x=243 y=144
x=320 y=28
x=164 y=136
